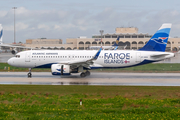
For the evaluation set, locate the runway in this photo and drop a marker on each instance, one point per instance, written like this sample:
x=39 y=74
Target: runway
x=102 y=78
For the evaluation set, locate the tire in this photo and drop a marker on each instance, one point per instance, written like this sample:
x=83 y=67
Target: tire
x=88 y=73
x=83 y=74
x=29 y=75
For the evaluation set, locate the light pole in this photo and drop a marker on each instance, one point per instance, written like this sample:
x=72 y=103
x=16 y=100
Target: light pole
x=14 y=26
x=101 y=31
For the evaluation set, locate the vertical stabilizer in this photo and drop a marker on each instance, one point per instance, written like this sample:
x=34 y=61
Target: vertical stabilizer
x=159 y=40
x=117 y=41
x=1 y=34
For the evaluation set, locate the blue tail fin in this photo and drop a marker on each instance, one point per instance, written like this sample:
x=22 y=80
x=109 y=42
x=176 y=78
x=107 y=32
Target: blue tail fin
x=1 y=33
x=159 y=40
x=117 y=41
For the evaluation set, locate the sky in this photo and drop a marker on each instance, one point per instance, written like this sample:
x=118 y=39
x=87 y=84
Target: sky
x=62 y=19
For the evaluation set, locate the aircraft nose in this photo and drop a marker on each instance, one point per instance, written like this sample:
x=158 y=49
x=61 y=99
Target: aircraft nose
x=10 y=61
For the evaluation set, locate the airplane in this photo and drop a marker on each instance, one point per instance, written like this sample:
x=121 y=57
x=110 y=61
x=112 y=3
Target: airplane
x=65 y=62
x=13 y=51
x=1 y=35
x=115 y=46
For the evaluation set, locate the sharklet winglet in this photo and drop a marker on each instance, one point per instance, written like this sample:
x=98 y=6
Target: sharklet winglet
x=97 y=54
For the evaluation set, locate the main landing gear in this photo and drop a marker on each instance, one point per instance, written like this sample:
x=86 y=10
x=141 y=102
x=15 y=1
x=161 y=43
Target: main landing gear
x=29 y=74
x=84 y=74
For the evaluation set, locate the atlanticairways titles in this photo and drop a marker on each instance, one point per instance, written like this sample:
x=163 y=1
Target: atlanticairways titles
x=44 y=54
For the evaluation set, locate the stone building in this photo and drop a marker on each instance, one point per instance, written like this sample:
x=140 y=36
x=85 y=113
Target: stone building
x=128 y=37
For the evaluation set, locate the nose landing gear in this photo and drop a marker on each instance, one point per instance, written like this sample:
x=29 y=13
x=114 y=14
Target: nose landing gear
x=29 y=74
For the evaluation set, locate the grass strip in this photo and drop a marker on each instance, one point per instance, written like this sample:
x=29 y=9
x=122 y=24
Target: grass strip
x=98 y=102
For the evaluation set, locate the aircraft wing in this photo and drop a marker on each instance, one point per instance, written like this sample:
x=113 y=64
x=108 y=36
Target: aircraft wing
x=85 y=62
x=6 y=45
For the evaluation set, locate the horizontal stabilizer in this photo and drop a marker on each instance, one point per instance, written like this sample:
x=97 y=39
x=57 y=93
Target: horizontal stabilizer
x=158 y=56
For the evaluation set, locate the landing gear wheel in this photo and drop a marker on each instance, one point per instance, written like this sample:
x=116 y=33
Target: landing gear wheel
x=29 y=75
x=83 y=74
x=87 y=73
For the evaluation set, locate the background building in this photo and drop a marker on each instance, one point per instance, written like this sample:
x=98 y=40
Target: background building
x=128 y=37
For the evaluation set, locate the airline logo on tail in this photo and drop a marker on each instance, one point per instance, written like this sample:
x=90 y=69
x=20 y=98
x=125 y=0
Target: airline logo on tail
x=117 y=41
x=160 y=40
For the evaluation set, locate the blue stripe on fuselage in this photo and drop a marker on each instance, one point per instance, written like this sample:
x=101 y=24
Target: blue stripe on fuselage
x=45 y=65
x=141 y=63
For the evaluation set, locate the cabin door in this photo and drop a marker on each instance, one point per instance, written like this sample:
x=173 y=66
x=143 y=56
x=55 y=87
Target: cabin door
x=27 y=59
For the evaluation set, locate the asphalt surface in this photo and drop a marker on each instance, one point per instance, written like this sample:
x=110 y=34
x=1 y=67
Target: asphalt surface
x=127 y=79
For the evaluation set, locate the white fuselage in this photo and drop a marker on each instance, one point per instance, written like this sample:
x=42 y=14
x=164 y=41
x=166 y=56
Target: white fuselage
x=106 y=59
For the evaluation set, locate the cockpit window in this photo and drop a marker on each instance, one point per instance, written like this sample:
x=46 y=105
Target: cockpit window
x=17 y=56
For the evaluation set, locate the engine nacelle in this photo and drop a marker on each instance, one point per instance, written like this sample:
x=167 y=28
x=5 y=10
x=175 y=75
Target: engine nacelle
x=60 y=69
x=14 y=51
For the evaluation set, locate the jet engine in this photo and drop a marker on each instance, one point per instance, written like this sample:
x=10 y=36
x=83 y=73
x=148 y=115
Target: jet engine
x=14 y=51
x=60 y=69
